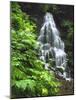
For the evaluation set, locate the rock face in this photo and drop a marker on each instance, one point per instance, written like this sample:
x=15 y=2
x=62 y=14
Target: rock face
x=52 y=47
x=67 y=87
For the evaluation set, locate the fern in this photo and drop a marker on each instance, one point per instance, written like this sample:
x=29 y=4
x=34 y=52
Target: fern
x=27 y=83
x=28 y=76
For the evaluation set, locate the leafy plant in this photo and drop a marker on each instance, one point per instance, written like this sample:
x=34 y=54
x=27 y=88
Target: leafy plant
x=28 y=76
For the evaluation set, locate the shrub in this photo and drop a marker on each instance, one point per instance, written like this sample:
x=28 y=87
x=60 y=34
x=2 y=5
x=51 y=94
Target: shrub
x=28 y=76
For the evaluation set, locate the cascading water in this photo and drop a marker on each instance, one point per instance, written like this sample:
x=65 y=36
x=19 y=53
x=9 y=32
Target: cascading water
x=52 y=47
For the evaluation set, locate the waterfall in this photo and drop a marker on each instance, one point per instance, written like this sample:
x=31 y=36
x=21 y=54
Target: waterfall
x=51 y=47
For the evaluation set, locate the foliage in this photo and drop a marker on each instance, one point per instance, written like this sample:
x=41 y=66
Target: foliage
x=47 y=8
x=69 y=39
x=28 y=76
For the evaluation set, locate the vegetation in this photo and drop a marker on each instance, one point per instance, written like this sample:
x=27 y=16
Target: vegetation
x=28 y=76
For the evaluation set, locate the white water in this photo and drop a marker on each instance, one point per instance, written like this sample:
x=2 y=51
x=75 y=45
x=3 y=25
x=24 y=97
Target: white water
x=52 y=47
